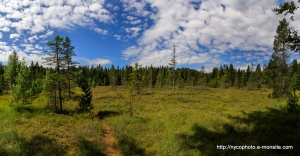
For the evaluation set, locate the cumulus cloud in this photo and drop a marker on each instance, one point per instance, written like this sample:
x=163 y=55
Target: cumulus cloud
x=38 y=16
x=29 y=21
x=101 y=31
x=47 y=34
x=95 y=61
x=202 y=30
x=137 y=8
x=118 y=37
x=116 y=8
x=134 y=31
x=135 y=22
x=98 y=61
x=32 y=38
x=15 y=35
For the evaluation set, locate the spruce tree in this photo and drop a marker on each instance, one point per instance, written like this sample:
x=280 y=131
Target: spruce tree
x=85 y=103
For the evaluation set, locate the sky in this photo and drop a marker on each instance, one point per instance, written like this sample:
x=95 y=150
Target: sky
x=122 y=32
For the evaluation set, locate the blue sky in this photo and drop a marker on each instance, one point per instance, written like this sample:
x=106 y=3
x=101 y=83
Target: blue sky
x=122 y=32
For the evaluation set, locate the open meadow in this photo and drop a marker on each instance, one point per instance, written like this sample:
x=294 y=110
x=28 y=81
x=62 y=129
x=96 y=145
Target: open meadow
x=190 y=121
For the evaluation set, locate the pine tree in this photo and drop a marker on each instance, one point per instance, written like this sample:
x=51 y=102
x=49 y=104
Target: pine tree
x=280 y=56
x=24 y=91
x=135 y=84
x=238 y=77
x=113 y=77
x=159 y=78
x=11 y=69
x=244 y=79
x=258 y=77
x=150 y=72
x=50 y=90
x=293 y=98
x=293 y=38
x=173 y=64
x=85 y=103
x=56 y=58
x=231 y=75
x=2 y=80
x=136 y=78
x=69 y=53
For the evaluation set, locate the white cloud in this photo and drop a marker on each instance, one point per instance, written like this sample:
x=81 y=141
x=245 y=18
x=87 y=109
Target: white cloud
x=95 y=7
x=133 y=30
x=49 y=33
x=38 y=16
x=116 y=8
x=137 y=8
x=98 y=61
x=38 y=47
x=202 y=30
x=15 y=35
x=35 y=20
x=101 y=31
x=32 y=38
x=5 y=29
x=135 y=22
x=109 y=5
x=131 y=18
x=95 y=61
x=118 y=37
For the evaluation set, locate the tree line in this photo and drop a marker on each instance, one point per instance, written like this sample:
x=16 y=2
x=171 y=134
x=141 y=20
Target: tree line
x=60 y=74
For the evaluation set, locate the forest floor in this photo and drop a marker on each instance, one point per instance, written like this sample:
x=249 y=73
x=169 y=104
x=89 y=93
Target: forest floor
x=189 y=121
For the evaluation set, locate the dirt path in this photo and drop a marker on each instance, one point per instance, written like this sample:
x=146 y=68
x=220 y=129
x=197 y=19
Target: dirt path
x=110 y=141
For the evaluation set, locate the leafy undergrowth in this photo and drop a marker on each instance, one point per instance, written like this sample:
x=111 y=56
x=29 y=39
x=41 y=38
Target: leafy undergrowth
x=195 y=121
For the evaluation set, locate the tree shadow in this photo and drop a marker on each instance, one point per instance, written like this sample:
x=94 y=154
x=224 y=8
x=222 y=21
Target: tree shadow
x=107 y=113
x=271 y=128
x=90 y=148
x=129 y=147
x=41 y=145
x=38 y=145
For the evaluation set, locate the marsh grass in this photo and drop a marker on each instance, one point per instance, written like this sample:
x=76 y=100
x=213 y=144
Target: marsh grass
x=189 y=121
x=37 y=131
x=195 y=121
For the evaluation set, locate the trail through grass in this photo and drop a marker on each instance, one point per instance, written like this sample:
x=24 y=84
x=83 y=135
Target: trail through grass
x=109 y=140
x=187 y=122
x=195 y=121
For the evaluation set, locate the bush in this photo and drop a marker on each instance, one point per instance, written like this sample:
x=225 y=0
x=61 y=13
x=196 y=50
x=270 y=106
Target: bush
x=214 y=83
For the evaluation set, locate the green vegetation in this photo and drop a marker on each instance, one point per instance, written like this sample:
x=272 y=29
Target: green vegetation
x=37 y=131
x=195 y=121
x=189 y=122
x=183 y=111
